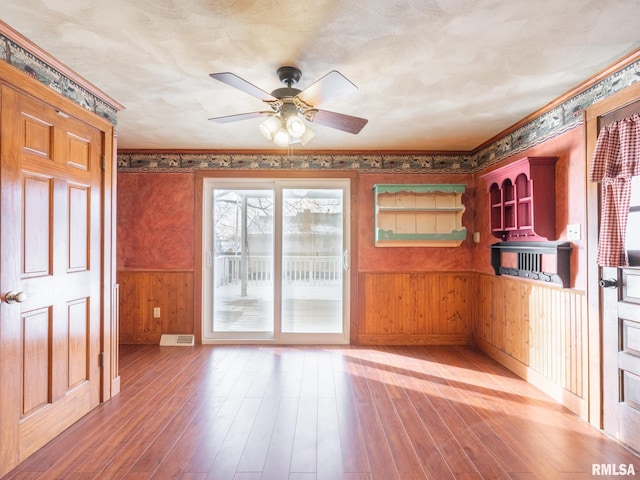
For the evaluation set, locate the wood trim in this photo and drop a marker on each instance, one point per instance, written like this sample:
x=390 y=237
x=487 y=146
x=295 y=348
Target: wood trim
x=590 y=82
x=354 y=278
x=53 y=62
x=607 y=106
x=115 y=307
x=27 y=85
x=617 y=115
x=186 y=151
x=198 y=273
x=415 y=339
x=110 y=348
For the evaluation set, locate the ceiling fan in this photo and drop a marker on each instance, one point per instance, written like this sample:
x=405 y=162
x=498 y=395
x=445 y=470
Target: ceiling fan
x=290 y=106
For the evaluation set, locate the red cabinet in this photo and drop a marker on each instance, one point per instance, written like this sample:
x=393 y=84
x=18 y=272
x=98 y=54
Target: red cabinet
x=522 y=200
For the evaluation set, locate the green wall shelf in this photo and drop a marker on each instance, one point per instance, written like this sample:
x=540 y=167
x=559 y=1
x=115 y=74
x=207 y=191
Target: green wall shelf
x=419 y=215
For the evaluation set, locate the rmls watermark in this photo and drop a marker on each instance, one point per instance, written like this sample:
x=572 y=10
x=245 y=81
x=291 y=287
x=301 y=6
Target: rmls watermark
x=610 y=469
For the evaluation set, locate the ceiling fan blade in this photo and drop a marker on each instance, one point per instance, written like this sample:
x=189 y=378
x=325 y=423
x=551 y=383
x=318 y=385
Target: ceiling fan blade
x=332 y=85
x=241 y=84
x=240 y=116
x=339 y=121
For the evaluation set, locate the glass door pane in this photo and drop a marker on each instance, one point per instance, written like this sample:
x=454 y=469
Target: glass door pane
x=312 y=260
x=243 y=261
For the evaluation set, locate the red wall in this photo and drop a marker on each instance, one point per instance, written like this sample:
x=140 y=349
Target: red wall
x=412 y=259
x=156 y=218
x=155 y=221
x=570 y=193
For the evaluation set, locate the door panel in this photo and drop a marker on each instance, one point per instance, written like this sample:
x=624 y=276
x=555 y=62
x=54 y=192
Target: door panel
x=629 y=357
x=51 y=250
x=621 y=355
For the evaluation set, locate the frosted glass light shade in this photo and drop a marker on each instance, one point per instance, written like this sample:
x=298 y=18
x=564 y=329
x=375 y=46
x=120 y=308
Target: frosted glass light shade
x=307 y=136
x=270 y=127
x=281 y=138
x=295 y=126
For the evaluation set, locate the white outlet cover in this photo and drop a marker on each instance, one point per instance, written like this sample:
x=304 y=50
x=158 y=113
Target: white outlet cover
x=573 y=231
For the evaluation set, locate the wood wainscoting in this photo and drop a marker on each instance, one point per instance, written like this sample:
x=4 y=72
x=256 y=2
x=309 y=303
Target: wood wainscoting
x=537 y=331
x=142 y=291
x=421 y=308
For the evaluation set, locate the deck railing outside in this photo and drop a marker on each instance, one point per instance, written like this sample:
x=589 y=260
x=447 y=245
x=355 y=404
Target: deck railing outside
x=297 y=270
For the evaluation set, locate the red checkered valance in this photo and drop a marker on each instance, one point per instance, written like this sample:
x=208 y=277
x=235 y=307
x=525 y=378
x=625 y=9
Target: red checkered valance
x=615 y=160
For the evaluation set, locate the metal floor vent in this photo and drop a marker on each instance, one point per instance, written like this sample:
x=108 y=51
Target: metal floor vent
x=176 y=340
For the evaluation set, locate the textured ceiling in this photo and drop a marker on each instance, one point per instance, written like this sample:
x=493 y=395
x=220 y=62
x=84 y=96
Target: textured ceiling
x=431 y=74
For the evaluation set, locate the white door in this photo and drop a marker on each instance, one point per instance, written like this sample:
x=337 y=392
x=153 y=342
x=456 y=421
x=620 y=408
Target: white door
x=621 y=337
x=275 y=257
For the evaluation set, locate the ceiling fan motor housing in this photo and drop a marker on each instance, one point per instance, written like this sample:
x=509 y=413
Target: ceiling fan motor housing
x=289 y=75
x=285 y=92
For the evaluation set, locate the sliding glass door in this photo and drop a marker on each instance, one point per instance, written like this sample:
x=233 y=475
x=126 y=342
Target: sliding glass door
x=275 y=257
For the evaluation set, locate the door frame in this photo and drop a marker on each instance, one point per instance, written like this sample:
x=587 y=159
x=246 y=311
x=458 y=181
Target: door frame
x=610 y=104
x=349 y=175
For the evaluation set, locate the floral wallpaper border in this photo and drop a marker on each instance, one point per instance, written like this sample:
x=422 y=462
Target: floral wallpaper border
x=548 y=125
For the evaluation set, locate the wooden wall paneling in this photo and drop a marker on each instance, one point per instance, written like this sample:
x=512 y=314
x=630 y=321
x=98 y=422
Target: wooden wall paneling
x=415 y=308
x=537 y=331
x=141 y=291
x=419 y=322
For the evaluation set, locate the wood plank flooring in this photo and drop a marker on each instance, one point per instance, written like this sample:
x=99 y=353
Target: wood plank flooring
x=304 y=413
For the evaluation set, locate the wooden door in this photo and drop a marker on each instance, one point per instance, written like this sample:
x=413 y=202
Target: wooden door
x=621 y=354
x=50 y=234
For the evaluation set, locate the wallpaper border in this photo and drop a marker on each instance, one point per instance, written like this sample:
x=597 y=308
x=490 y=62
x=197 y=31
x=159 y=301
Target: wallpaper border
x=21 y=58
x=546 y=126
x=552 y=123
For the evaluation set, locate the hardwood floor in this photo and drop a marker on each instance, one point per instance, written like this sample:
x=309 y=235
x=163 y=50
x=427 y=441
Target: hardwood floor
x=302 y=413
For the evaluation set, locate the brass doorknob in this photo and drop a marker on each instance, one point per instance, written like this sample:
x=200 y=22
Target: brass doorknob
x=15 y=297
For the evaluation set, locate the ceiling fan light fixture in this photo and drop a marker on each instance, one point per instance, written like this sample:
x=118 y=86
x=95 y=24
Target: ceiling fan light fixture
x=295 y=126
x=292 y=110
x=307 y=135
x=281 y=138
x=270 y=127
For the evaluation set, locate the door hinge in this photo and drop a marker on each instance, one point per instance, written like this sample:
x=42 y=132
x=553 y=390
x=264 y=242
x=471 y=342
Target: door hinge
x=104 y=162
x=101 y=359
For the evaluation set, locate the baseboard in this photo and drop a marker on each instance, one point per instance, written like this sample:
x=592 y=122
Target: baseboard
x=414 y=339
